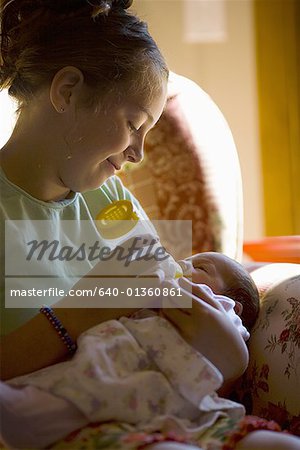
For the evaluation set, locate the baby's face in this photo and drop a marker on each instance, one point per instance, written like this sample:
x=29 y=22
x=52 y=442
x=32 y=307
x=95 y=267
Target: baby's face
x=213 y=269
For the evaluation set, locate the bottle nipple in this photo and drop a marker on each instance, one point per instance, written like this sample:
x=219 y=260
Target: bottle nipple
x=179 y=272
x=116 y=219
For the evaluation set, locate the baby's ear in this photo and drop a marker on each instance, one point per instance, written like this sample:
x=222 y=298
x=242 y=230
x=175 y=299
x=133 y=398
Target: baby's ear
x=238 y=308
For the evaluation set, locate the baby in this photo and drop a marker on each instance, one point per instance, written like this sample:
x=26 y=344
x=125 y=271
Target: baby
x=89 y=377
x=225 y=277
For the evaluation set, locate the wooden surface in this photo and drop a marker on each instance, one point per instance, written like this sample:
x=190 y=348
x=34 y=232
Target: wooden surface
x=278 y=73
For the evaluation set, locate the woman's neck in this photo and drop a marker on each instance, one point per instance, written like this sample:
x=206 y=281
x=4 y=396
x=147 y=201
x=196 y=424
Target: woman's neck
x=28 y=161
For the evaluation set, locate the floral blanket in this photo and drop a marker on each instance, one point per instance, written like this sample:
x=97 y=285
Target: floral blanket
x=139 y=371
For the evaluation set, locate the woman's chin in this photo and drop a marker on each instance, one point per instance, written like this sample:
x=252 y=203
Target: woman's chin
x=90 y=186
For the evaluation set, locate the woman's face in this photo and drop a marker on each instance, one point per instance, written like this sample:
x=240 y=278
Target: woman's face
x=98 y=144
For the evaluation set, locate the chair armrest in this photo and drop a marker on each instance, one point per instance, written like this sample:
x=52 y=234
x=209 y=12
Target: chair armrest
x=271 y=382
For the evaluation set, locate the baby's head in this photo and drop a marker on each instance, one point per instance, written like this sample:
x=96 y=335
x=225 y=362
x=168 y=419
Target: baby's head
x=227 y=277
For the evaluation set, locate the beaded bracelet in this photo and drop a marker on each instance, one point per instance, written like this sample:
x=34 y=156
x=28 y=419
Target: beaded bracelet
x=60 y=329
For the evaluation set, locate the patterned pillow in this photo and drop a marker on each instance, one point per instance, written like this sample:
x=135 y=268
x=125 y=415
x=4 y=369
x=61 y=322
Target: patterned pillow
x=271 y=385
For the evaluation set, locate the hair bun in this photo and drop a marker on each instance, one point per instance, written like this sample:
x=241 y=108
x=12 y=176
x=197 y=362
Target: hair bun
x=101 y=7
x=125 y=4
x=61 y=6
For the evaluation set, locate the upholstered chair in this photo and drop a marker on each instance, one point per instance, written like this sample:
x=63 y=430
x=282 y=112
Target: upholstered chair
x=191 y=172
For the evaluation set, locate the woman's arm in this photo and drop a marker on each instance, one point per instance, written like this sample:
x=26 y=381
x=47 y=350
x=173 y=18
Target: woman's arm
x=207 y=328
x=36 y=344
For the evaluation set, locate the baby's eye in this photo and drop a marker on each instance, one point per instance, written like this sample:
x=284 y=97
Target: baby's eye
x=201 y=268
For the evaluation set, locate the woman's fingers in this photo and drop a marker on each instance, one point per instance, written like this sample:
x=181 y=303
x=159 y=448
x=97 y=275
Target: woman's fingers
x=133 y=257
x=140 y=241
x=129 y=275
x=201 y=291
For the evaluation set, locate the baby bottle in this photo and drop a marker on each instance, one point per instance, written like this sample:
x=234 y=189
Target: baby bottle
x=171 y=268
x=119 y=221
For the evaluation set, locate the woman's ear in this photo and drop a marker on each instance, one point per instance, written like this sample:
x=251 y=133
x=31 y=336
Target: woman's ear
x=65 y=88
x=238 y=308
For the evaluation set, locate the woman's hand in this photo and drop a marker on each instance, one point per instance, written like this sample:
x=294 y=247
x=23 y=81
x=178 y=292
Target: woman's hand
x=117 y=280
x=131 y=258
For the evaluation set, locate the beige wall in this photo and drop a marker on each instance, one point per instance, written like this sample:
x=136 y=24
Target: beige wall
x=7 y=117
x=227 y=71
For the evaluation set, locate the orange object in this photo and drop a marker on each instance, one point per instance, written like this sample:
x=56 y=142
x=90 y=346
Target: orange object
x=274 y=249
x=116 y=219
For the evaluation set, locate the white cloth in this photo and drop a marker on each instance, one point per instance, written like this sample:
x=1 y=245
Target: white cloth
x=228 y=305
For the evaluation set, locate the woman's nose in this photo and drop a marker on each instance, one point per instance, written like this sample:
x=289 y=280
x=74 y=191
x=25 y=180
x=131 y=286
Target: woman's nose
x=135 y=153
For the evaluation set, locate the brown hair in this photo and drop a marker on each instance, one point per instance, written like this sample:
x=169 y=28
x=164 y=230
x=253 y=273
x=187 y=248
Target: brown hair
x=99 y=37
x=243 y=289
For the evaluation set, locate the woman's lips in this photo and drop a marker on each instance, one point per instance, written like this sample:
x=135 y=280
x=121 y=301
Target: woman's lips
x=113 y=164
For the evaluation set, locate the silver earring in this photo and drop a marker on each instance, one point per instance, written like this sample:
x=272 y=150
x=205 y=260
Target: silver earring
x=69 y=157
x=62 y=109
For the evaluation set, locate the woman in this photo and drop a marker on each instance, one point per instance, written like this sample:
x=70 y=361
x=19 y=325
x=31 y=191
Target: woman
x=73 y=137
x=90 y=83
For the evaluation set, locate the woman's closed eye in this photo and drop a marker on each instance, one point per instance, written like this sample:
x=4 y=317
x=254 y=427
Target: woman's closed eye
x=132 y=128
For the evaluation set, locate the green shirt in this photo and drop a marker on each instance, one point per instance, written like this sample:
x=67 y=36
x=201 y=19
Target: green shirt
x=17 y=204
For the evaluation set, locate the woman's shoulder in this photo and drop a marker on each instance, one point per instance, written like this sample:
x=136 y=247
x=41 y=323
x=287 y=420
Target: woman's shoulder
x=17 y=204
